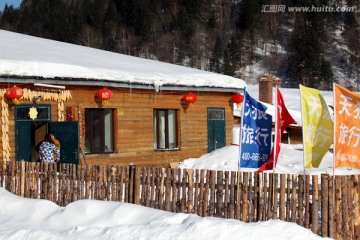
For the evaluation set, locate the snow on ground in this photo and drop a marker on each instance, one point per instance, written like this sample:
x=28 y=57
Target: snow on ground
x=22 y=218
x=290 y=161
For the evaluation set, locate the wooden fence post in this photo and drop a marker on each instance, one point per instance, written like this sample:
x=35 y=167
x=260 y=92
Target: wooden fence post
x=201 y=196
x=180 y=172
x=196 y=192
x=226 y=198
x=168 y=190
x=256 y=197
x=261 y=201
x=22 y=178
x=212 y=192
x=294 y=210
x=282 y=196
x=232 y=195
x=238 y=196
x=275 y=198
x=332 y=227
x=190 y=189
x=324 y=205
x=87 y=181
x=245 y=189
x=344 y=209
x=219 y=194
x=184 y=187
x=136 y=185
x=338 y=216
x=307 y=201
x=315 y=205
x=174 y=185
x=270 y=197
x=350 y=206
x=131 y=183
x=301 y=200
x=2 y=173
x=356 y=190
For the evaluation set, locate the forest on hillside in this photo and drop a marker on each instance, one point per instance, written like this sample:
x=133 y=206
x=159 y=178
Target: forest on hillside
x=242 y=38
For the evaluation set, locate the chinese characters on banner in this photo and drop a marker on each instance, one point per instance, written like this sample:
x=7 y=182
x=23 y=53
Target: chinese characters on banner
x=347 y=128
x=255 y=134
x=317 y=126
x=283 y=119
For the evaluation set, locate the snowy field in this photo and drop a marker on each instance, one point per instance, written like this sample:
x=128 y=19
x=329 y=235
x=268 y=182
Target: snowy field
x=89 y=219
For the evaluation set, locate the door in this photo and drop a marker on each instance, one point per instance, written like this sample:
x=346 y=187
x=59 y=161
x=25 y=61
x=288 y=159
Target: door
x=24 y=145
x=216 y=128
x=30 y=129
x=67 y=133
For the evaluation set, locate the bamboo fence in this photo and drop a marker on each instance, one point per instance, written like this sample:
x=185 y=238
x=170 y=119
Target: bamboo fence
x=328 y=205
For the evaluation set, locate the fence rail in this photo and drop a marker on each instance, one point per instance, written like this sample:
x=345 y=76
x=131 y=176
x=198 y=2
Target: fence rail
x=328 y=205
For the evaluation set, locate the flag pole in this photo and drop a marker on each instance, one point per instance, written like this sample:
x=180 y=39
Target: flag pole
x=274 y=151
x=334 y=131
x=332 y=200
x=241 y=125
x=276 y=127
x=302 y=129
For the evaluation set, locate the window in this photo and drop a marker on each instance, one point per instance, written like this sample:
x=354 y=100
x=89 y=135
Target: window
x=43 y=112
x=99 y=132
x=165 y=129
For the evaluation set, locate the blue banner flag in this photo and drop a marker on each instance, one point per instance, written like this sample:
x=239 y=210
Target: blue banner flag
x=255 y=134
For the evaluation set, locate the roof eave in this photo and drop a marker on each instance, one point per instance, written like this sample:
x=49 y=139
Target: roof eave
x=117 y=84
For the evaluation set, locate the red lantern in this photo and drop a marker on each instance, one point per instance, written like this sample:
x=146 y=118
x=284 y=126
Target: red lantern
x=14 y=94
x=104 y=95
x=190 y=98
x=238 y=98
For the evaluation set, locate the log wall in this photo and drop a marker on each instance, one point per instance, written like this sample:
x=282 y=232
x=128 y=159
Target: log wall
x=134 y=123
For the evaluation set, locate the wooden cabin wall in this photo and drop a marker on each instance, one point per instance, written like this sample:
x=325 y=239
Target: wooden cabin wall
x=295 y=135
x=135 y=144
x=134 y=125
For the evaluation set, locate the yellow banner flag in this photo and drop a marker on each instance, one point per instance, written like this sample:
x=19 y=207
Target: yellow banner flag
x=347 y=128
x=318 y=128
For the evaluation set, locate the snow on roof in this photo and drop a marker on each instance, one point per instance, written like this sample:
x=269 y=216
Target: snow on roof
x=26 y=56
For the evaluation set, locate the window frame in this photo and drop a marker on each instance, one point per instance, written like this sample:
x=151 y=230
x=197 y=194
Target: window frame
x=91 y=124
x=156 y=127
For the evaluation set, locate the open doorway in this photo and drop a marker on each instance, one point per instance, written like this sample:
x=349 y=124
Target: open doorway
x=29 y=132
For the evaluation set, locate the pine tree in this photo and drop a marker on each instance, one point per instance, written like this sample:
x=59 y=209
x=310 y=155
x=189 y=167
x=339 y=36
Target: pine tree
x=307 y=63
x=215 y=64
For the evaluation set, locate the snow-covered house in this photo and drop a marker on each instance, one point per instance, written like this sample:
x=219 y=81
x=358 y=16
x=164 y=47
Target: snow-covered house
x=146 y=122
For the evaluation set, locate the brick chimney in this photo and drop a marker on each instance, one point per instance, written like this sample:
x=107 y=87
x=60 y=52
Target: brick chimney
x=266 y=83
